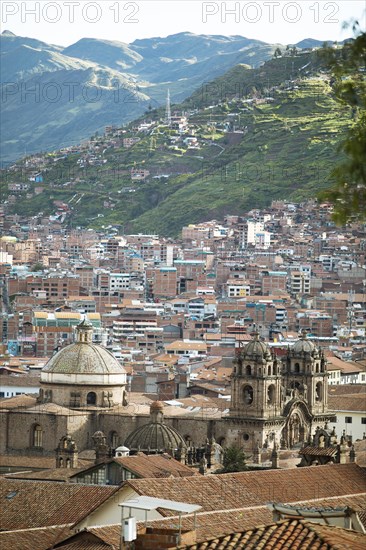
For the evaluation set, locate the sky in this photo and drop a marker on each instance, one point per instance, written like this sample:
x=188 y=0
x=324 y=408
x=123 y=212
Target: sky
x=64 y=22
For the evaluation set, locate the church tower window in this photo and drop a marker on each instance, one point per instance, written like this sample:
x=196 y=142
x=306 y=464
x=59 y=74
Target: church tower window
x=91 y=398
x=248 y=370
x=248 y=395
x=319 y=392
x=271 y=394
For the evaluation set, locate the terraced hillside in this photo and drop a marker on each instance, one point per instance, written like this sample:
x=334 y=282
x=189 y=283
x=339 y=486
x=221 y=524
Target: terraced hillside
x=237 y=152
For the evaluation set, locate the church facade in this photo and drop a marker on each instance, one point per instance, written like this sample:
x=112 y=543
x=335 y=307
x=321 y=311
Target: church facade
x=275 y=402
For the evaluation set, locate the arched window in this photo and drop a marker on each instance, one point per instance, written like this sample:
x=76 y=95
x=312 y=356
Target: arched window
x=269 y=370
x=248 y=370
x=91 y=398
x=271 y=394
x=296 y=367
x=319 y=392
x=37 y=438
x=113 y=438
x=248 y=395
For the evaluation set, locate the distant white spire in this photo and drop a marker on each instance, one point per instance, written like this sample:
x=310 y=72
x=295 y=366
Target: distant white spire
x=168 y=116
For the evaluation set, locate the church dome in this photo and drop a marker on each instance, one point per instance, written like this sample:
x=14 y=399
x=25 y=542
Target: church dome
x=256 y=349
x=303 y=345
x=155 y=437
x=84 y=363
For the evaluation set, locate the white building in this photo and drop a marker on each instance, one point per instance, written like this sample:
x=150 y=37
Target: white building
x=349 y=409
x=237 y=288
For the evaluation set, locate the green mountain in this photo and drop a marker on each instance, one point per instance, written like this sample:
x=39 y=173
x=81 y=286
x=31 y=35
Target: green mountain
x=262 y=134
x=69 y=87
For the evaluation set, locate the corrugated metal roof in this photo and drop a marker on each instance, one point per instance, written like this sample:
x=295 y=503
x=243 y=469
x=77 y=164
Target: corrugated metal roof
x=40 y=314
x=67 y=315
x=152 y=503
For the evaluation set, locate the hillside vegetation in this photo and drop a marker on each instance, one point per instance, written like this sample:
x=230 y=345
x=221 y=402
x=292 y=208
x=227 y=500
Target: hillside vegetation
x=254 y=135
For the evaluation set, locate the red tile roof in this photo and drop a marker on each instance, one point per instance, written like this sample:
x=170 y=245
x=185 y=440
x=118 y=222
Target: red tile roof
x=289 y=535
x=221 y=522
x=245 y=489
x=318 y=451
x=354 y=403
x=145 y=466
x=155 y=466
x=33 y=539
x=42 y=503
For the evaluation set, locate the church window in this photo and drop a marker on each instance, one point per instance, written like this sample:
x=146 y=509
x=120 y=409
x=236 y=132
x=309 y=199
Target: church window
x=269 y=370
x=37 y=436
x=248 y=370
x=297 y=368
x=114 y=439
x=271 y=394
x=246 y=437
x=319 y=392
x=91 y=398
x=248 y=395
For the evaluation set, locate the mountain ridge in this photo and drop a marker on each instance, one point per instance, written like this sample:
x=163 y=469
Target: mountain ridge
x=149 y=66
x=273 y=136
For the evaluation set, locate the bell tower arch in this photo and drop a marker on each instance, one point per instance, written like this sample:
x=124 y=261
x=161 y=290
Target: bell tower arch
x=256 y=394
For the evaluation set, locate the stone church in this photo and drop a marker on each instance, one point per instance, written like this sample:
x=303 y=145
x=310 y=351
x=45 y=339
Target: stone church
x=275 y=403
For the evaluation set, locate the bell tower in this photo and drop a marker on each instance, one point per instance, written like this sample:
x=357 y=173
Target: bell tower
x=256 y=384
x=306 y=375
x=66 y=453
x=256 y=397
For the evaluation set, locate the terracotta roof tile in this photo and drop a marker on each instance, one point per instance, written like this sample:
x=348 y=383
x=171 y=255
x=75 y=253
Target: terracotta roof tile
x=288 y=534
x=54 y=474
x=33 y=539
x=155 y=466
x=42 y=503
x=245 y=489
x=220 y=523
x=42 y=465
x=346 y=389
x=347 y=402
x=87 y=545
x=318 y=451
x=23 y=401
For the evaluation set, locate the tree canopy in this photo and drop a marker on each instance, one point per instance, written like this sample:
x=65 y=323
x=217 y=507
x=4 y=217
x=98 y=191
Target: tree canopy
x=348 y=68
x=233 y=460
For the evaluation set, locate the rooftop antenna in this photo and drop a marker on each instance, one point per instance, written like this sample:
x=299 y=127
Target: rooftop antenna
x=168 y=116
